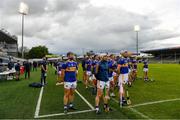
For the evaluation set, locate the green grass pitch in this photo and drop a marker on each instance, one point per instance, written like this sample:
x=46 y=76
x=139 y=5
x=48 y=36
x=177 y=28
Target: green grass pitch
x=152 y=100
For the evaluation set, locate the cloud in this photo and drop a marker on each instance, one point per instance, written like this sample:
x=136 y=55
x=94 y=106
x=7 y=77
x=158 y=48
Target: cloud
x=64 y=25
x=64 y=5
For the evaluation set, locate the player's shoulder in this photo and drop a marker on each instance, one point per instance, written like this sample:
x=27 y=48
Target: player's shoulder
x=120 y=59
x=73 y=62
x=87 y=61
x=66 y=62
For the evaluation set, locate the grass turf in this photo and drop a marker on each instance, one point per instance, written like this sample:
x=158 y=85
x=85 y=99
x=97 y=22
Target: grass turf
x=17 y=100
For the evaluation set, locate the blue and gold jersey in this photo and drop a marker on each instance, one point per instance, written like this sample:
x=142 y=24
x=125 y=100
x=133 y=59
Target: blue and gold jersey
x=70 y=68
x=94 y=65
x=88 y=64
x=145 y=64
x=129 y=63
x=112 y=65
x=134 y=64
x=123 y=62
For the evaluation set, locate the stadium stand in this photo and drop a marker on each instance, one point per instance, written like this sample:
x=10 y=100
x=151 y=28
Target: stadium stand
x=8 y=43
x=165 y=55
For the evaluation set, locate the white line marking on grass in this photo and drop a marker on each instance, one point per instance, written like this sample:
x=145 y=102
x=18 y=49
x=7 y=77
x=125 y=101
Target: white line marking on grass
x=134 y=110
x=139 y=113
x=115 y=100
x=155 y=102
x=92 y=108
x=36 y=115
x=60 y=114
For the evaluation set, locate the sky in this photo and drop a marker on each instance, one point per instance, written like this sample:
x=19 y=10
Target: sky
x=82 y=25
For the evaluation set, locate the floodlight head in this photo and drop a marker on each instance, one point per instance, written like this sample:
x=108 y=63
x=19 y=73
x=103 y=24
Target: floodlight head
x=23 y=8
x=136 y=28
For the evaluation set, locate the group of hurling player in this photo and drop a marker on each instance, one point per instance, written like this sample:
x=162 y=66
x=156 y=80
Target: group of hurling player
x=102 y=73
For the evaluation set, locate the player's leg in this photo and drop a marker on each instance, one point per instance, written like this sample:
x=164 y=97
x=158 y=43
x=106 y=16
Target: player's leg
x=144 y=74
x=129 y=78
x=87 y=79
x=135 y=77
x=71 y=96
x=122 y=100
x=90 y=78
x=134 y=74
x=106 y=96
x=116 y=80
x=147 y=74
x=94 y=84
x=126 y=82
x=84 y=77
x=112 y=86
x=66 y=96
x=98 y=96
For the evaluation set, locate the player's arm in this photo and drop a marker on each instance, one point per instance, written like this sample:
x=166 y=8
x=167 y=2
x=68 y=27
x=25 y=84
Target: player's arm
x=115 y=67
x=97 y=68
x=86 y=66
x=76 y=70
x=118 y=69
x=43 y=68
x=62 y=74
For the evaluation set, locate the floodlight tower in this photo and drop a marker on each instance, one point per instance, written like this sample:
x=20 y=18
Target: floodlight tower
x=137 y=29
x=23 y=10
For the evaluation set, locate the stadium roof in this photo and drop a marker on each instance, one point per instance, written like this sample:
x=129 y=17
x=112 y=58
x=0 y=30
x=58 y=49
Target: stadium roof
x=7 y=37
x=163 y=50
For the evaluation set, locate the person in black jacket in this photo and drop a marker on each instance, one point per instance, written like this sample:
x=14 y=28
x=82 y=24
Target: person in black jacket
x=27 y=69
x=43 y=71
x=35 y=65
x=17 y=68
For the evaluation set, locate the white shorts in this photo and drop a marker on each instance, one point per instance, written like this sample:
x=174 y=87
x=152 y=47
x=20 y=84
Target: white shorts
x=89 y=73
x=123 y=79
x=70 y=85
x=59 y=73
x=114 y=74
x=145 y=69
x=111 y=79
x=93 y=77
x=101 y=85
